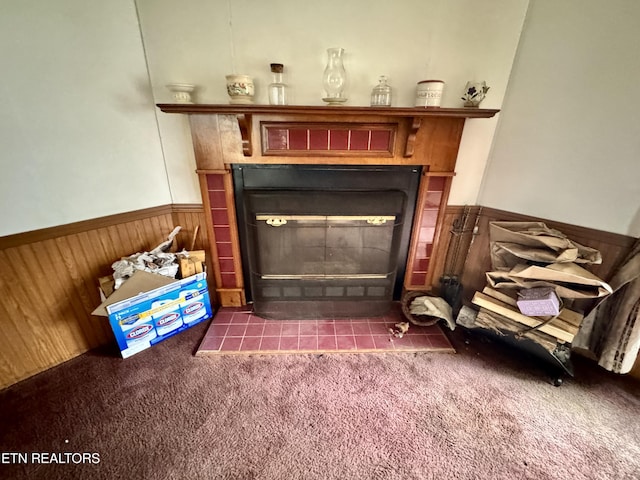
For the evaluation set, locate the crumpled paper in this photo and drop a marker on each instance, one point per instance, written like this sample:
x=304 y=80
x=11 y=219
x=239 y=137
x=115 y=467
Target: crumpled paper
x=435 y=307
x=156 y=261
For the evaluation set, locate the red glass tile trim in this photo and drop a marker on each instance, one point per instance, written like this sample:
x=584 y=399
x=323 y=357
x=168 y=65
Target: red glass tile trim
x=433 y=199
x=238 y=331
x=429 y=218
x=380 y=140
x=427 y=234
x=436 y=184
x=222 y=234
x=318 y=139
x=228 y=280
x=277 y=139
x=292 y=138
x=215 y=182
x=359 y=139
x=428 y=249
x=338 y=139
x=218 y=199
x=219 y=216
x=418 y=278
x=298 y=139
x=225 y=249
x=421 y=265
x=226 y=265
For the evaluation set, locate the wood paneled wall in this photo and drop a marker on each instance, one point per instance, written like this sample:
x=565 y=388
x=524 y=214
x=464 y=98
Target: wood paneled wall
x=48 y=283
x=48 y=278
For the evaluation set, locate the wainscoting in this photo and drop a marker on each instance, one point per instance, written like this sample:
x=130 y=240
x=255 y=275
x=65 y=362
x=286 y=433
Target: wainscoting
x=48 y=277
x=48 y=280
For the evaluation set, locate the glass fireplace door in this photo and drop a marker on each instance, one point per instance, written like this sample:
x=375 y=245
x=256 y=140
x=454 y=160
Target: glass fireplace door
x=313 y=247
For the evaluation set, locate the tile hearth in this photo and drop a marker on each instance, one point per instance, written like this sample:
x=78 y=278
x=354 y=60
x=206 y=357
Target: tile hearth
x=239 y=331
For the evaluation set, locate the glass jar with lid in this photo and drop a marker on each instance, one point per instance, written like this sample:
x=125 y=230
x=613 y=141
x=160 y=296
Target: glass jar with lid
x=381 y=93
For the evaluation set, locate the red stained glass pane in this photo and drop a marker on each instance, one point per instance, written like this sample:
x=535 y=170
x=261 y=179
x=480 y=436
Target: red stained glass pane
x=339 y=140
x=218 y=199
x=318 y=139
x=277 y=139
x=436 y=184
x=215 y=182
x=380 y=140
x=298 y=139
x=359 y=140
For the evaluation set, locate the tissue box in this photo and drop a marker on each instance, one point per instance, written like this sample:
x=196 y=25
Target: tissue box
x=538 y=302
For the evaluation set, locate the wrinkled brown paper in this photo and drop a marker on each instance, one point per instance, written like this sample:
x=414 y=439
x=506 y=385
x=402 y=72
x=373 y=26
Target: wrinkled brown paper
x=513 y=242
x=568 y=280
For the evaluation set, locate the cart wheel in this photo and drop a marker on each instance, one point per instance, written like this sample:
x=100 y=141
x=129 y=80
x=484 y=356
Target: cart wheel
x=557 y=381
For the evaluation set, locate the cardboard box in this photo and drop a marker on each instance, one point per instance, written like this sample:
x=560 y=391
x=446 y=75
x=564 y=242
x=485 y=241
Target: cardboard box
x=149 y=308
x=191 y=262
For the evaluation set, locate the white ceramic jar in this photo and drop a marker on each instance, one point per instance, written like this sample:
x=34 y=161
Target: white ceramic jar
x=429 y=93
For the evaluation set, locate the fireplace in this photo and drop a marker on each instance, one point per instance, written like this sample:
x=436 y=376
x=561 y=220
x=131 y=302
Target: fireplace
x=324 y=241
x=324 y=210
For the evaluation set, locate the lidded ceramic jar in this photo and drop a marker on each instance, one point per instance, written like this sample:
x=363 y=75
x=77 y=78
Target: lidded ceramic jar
x=429 y=93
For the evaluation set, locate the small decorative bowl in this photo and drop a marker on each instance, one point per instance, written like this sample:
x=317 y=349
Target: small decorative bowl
x=240 y=88
x=181 y=92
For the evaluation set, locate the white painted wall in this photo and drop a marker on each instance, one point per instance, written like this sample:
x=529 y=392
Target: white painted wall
x=77 y=121
x=201 y=41
x=568 y=143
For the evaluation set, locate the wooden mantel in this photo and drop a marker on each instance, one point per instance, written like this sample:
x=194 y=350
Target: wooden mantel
x=224 y=135
x=420 y=130
x=225 y=109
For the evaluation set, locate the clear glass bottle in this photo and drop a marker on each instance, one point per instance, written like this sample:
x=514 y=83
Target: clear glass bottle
x=277 y=89
x=381 y=93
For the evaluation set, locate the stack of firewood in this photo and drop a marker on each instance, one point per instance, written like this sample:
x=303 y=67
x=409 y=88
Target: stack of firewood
x=499 y=312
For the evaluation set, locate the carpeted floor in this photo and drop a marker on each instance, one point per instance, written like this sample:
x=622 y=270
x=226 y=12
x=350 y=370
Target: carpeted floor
x=483 y=413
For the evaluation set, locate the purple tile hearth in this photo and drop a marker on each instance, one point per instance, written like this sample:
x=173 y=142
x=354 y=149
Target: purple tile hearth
x=236 y=330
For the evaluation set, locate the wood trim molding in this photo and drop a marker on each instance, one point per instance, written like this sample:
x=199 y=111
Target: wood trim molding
x=187 y=208
x=50 y=233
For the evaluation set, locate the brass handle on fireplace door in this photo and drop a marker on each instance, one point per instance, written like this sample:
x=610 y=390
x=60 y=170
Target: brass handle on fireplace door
x=376 y=220
x=276 y=222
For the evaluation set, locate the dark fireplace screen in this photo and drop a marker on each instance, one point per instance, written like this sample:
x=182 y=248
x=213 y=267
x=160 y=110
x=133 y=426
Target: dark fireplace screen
x=322 y=253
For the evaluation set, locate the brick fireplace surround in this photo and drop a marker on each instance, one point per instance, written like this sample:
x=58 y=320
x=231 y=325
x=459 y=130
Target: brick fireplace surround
x=227 y=135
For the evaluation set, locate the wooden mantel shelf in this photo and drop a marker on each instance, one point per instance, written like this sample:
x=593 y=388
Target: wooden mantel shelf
x=410 y=112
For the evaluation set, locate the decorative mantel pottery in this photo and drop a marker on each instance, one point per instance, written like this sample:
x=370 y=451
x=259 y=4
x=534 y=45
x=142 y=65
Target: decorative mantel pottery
x=474 y=93
x=181 y=92
x=240 y=89
x=429 y=93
